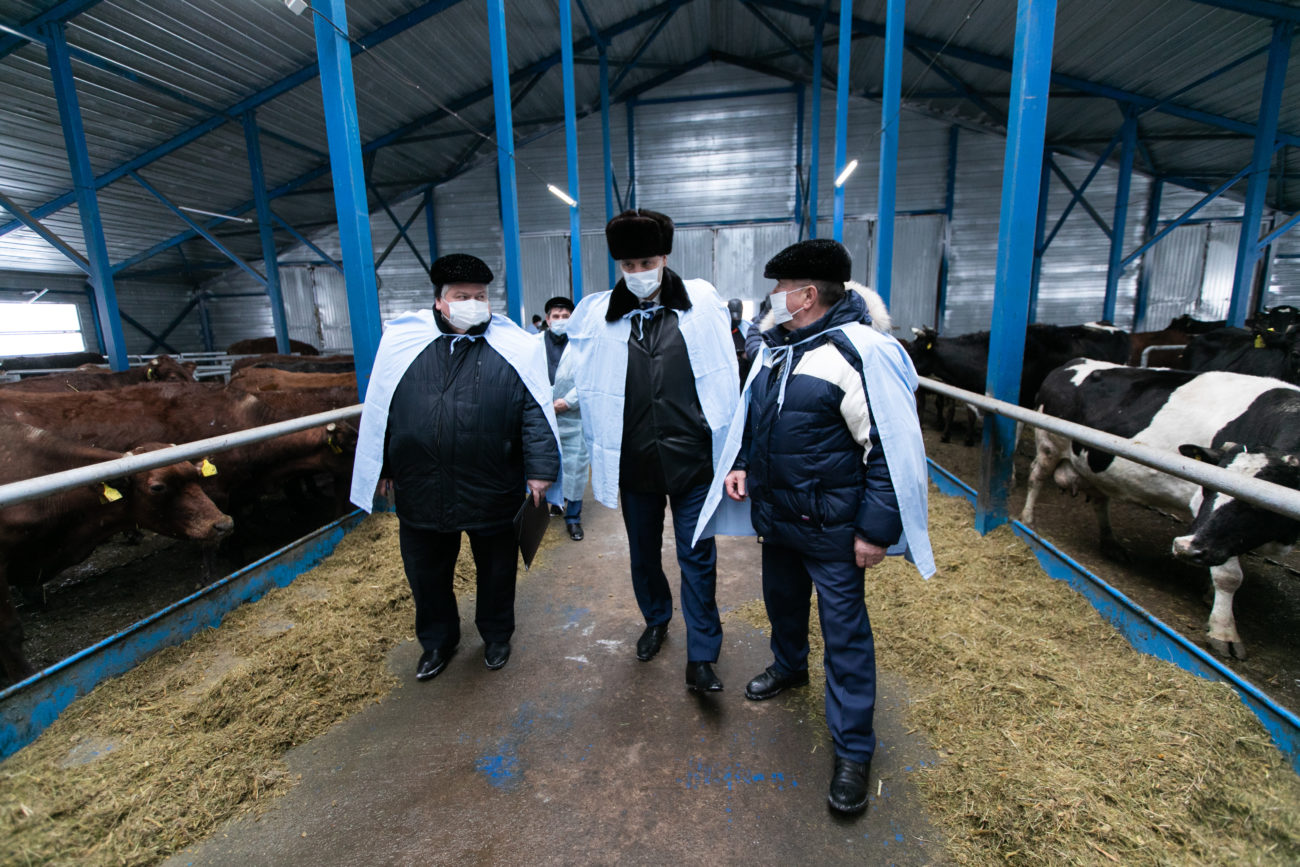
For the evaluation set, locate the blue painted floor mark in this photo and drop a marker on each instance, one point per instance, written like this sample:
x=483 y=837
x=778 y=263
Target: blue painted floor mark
x=500 y=770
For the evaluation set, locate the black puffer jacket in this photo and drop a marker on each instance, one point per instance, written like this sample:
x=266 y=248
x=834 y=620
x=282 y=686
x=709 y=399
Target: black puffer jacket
x=667 y=444
x=464 y=435
x=811 y=489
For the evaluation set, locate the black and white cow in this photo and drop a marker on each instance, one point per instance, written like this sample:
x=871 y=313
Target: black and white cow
x=1248 y=424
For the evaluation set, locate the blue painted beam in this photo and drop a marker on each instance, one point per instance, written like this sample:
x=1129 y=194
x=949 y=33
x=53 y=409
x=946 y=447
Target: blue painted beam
x=1258 y=8
x=45 y=234
x=571 y=147
x=1186 y=217
x=720 y=94
x=194 y=226
x=1077 y=193
x=334 y=56
x=266 y=232
x=1115 y=265
x=964 y=90
x=949 y=205
x=56 y=14
x=780 y=34
x=397 y=238
x=92 y=227
x=398 y=25
x=798 y=161
x=645 y=44
x=506 y=159
x=842 y=113
x=1287 y=225
x=306 y=242
x=431 y=224
x=1270 y=103
x=815 y=154
x=1036 y=273
x=607 y=158
x=1026 y=135
x=891 y=117
x=401 y=228
x=1144 y=276
x=629 y=108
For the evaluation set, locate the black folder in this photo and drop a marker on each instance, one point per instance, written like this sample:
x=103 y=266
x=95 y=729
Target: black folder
x=530 y=527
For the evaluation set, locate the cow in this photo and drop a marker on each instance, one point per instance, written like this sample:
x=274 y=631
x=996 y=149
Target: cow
x=1195 y=326
x=298 y=364
x=1275 y=319
x=259 y=379
x=261 y=345
x=1259 y=353
x=59 y=361
x=40 y=537
x=90 y=378
x=963 y=361
x=1177 y=411
x=1142 y=340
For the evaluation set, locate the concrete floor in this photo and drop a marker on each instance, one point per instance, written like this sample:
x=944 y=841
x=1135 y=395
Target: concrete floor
x=577 y=753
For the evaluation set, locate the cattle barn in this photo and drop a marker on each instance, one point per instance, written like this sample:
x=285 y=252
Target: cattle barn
x=1082 y=217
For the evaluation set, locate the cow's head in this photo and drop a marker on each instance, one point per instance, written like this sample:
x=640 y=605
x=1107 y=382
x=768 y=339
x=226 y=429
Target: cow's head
x=1293 y=351
x=1225 y=526
x=164 y=368
x=922 y=350
x=169 y=500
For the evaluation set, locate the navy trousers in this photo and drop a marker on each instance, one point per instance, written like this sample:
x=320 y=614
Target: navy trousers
x=573 y=511
x=788 y=579
x=430 y=561
x=643 y=515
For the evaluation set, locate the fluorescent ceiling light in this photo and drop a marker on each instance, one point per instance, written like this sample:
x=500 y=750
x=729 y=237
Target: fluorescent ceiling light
x=215 y=214
x=844 y=175
x=562 y=195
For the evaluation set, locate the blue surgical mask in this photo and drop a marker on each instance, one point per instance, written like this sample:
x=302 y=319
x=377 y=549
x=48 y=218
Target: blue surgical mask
x=560 y=327
x=466 y=314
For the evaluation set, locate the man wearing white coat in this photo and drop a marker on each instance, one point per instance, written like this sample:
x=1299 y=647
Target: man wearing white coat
x=562 y=367
x=457 y=424
x=657 y=379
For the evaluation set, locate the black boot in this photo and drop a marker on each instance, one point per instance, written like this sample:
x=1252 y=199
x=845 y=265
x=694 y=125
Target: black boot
x=700 y=677
x=650 y=642
x=848 y=792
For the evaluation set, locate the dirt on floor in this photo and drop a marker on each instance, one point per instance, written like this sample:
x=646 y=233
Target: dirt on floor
x=1267 y=606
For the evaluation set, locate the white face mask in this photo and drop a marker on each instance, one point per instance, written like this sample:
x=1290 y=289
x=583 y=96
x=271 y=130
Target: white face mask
x=560 y=327
x=466 y=314
x=781 y=312
x=642 y=284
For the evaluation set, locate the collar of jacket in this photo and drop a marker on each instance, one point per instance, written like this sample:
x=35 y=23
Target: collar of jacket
x=445 y=327
x=558 y=341
x=850 y=308
x=672 y=293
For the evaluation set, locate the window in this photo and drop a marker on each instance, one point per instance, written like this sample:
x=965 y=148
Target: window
x=39 y=329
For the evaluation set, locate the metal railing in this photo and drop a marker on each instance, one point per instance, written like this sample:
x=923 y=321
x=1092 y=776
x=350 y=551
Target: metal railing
x=43 y=486
x=1266 y=495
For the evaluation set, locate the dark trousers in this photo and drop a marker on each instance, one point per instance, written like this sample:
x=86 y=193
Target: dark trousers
x=430 y=561
x=788 y=579
x=643 y=516
x=573 y=511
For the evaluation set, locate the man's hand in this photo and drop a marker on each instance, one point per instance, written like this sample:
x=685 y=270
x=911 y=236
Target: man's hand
x=866 y=554
x=384 y=489
x=561 y=405
x=537 y=487
x=734 y=484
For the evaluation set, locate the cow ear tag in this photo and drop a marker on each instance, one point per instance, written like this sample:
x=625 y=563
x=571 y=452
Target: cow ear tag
x=1259 y=341
x=929 y=346
x=109 y=494
x=207 y=468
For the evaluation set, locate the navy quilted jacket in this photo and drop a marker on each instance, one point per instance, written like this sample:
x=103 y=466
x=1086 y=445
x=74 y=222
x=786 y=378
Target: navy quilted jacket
x=816 y=469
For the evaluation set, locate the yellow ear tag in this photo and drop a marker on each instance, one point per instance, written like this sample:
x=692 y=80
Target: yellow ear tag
x=929 y=346
x=207 y=468
x=148 y=374
x=1259 y=341
x=109 y=494
x=335 y=447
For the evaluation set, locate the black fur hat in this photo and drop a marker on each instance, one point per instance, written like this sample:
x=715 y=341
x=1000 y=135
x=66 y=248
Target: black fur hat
x=818 y=259
x=458 y=268
x=639 y=234
x=558 y=301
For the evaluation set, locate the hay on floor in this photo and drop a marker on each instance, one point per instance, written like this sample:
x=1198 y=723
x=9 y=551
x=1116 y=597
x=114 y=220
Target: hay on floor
x=1060 y=743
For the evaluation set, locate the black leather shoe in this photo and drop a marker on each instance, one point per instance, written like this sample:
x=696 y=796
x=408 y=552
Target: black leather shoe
x=650 y=642
x=700 y=677
x=432 y=662
x=848 y=792
x=496 y=654
x=555 y=511
x=772 y=683
x=575 y=532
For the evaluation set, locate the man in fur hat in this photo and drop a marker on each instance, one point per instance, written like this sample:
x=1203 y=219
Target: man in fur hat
x=457 y=424
x=657 y=381
x=833 y=461
x=562 y=367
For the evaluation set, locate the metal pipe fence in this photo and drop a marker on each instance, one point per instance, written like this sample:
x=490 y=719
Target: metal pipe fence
x=1266 y=495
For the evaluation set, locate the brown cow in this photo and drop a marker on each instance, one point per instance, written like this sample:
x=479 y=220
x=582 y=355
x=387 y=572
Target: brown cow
x=88 y=377
x=298 y=364
x=62 y=360
x=41 y=537
x=1163 y=358
x=259 y=345
x=259 y=379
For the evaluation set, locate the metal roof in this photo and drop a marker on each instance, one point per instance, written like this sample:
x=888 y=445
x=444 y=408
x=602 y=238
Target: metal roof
x=154 y=74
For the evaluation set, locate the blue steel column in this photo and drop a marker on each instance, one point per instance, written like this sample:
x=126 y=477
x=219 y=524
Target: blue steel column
x=1144 y=276
x=1115 y=269
x=431 y=224
x=798 y=160
x=1279 y=51
x=266 y=230
x=506 y=158
x=571 y=146
x=949 y=205
x=607 y=155
x=630 y=108
x=815 y=154
x=334 y=55
x=842 y=111
x=83 y=183
x=890 y=118
x=1022 y=167
x=1040 y=230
